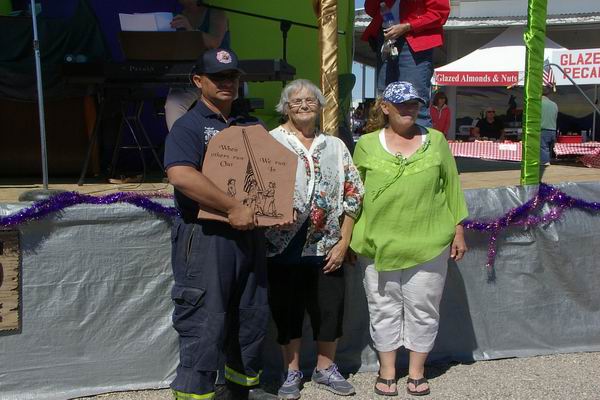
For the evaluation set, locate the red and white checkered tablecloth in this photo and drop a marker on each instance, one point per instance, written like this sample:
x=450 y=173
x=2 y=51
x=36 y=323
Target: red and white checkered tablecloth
x=488 y=150
x=587 y=148
x=591 y=160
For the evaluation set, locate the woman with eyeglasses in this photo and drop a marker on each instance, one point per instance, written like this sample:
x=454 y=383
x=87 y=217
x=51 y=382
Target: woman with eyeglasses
x=489 y=126
x=409 y=226
x=305 y=264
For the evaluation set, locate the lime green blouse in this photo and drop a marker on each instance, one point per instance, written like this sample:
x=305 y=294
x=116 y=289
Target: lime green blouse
x=411 y=205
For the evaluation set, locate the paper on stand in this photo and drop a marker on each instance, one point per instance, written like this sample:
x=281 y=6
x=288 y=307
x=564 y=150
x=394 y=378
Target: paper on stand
x=163 y=21
x=146 y=22
x=137 y=22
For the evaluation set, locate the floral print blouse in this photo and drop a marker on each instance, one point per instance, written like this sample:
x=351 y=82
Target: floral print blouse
x=327 y=187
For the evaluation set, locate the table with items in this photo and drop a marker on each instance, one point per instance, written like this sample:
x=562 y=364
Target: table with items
x=589 y=152
x=507 y=151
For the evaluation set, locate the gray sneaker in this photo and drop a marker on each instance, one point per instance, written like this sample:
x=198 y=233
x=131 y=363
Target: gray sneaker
x=331 y=379
x=290 y=390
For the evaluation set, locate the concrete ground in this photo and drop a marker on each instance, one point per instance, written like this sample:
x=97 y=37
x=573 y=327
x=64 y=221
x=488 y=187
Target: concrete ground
x=563 y=376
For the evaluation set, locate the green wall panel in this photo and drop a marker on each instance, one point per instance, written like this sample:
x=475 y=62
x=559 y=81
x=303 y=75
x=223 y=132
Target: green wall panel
x=253 y=38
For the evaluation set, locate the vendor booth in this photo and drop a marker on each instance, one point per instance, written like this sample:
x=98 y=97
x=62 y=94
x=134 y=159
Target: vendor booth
x=501 y=63
x=498 y=63
x=579 y=67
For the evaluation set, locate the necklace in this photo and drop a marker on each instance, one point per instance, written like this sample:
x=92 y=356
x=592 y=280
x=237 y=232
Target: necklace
x=299 y=135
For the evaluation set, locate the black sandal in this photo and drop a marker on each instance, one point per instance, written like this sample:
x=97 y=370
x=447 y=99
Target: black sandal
x=388 y=383
x=417 y=382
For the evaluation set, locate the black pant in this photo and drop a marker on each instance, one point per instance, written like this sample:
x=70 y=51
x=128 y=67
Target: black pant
x=221 y=307
x=303 y=287
x=297 y=285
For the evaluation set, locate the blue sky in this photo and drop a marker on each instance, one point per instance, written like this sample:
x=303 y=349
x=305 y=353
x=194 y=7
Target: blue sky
x=359 y=3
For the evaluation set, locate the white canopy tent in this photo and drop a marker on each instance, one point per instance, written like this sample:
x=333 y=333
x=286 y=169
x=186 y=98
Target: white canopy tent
x=500 y=62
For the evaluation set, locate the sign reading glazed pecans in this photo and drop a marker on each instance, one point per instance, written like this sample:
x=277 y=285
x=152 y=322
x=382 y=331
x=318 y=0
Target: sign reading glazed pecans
x=247 y=163
x=9 y=280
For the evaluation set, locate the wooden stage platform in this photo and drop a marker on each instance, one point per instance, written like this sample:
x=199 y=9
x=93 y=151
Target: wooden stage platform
x=474 y=174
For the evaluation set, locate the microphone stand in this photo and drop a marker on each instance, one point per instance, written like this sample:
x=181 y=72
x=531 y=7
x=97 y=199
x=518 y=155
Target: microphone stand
x=39 y=194
x=284 y=25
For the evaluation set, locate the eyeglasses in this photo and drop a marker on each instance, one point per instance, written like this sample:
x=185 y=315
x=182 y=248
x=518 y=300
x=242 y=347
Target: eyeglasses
x=310 y=101
x=227 y=76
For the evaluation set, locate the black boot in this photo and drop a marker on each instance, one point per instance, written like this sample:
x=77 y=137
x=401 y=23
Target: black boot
x=221 y=392
x=230 y=391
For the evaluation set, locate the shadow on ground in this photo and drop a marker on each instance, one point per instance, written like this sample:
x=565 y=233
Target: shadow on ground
x=465 y=165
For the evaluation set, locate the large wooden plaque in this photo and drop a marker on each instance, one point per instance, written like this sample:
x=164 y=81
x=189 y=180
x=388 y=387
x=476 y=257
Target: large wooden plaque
x=9 y=280
x=247 y=163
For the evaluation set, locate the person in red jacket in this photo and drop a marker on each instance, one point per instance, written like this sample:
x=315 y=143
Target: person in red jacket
x=419 y=31
x=440 y=113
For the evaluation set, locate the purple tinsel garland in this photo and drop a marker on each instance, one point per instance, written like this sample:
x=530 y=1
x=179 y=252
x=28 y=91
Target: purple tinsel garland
x=524 y=216
x=518 y=216
x=41 y=209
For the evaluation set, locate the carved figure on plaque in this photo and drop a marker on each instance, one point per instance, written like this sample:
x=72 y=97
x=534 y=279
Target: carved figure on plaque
x=250 y=165
x=231 y=190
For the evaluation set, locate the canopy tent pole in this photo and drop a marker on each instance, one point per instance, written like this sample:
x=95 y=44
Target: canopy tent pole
x=34 y=195
x=451 y=91
x=535 y=37
x=594 y=118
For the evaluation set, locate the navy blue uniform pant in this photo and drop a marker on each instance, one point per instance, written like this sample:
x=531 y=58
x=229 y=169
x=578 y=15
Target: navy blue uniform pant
x=221 y=307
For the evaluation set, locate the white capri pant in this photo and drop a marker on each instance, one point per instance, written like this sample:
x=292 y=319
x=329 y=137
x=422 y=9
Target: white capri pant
x=404 y=305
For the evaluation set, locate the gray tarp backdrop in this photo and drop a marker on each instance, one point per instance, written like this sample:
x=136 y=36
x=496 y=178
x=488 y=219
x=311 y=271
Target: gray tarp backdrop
x=96 y=307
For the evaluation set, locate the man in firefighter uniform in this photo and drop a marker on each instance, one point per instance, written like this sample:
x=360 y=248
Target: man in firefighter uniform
x=220 y=294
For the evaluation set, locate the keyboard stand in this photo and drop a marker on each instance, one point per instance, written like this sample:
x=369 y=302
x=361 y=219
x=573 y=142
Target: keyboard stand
x=131 y=109
x=131 y=122
x=108 y=76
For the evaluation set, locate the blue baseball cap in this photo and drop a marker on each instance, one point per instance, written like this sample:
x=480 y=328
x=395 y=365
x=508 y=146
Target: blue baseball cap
x=214 y=61
x=399 y=92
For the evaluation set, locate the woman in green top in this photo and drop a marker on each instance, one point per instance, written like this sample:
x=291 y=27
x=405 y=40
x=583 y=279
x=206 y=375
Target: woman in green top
x=409 y=226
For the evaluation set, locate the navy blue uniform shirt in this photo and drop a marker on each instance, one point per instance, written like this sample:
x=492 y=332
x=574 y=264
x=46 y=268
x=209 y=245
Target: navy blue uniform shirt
x=187 y=142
